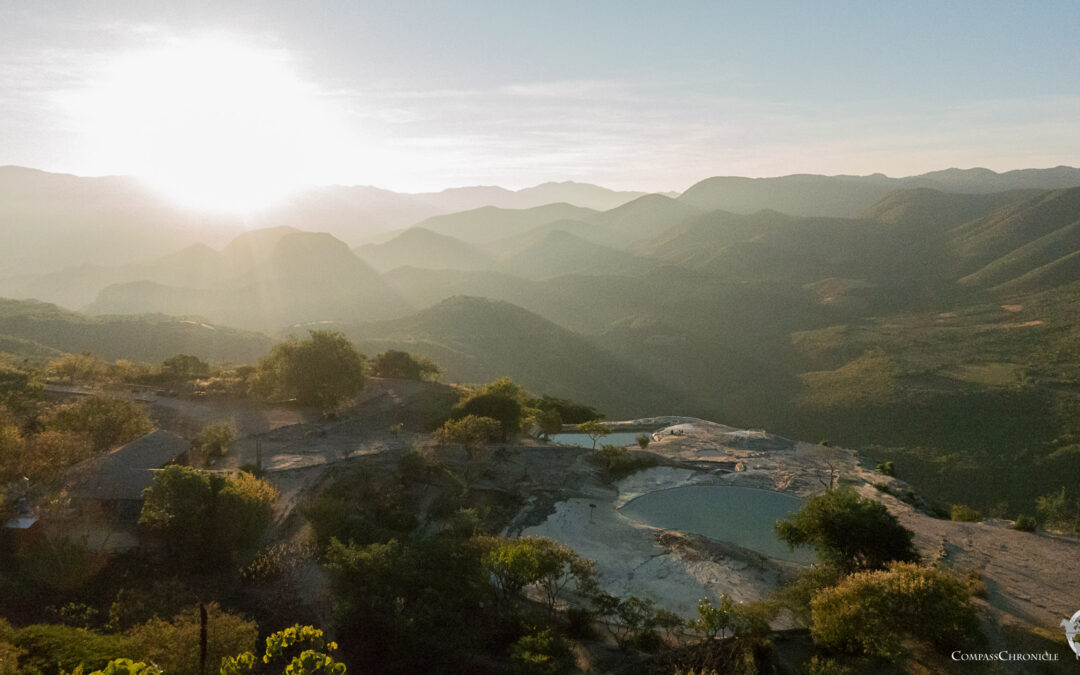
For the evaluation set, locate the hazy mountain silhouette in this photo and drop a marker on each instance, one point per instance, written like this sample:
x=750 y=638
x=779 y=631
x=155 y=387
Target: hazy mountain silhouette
x=420 y=247
x=560 y=252
x=490 y=223
x=31 y=328
x=478 y=340
x=290 y=277
x=849 y=196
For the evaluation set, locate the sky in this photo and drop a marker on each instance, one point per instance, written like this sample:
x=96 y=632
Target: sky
x=228 y=103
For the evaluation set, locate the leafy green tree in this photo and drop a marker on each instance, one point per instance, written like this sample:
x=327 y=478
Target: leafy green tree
x=594 y=430
x=848 y=531
x=9 y=653
x=496 y=405
x=1056 y=511
x=713 y=620
x=19 y=388
x=569 y=411
x=471 y=432
x=549 y=422
x=173 y=644
x=202 y=518
x=536 y=561
x=322 y=371
x=215 y=440
x=872 y=612
x=404 y=366
x=106 y=421
x=184 y=367
x=76 y=367
x=542 y=652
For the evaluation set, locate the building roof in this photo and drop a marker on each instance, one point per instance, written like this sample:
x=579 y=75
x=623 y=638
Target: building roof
x=125 y=472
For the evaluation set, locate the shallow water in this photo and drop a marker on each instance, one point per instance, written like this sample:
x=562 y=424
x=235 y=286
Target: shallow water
x=743 y=516
x=583 y=441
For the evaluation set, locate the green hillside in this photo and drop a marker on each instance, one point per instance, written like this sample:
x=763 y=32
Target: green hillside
x=40 y=330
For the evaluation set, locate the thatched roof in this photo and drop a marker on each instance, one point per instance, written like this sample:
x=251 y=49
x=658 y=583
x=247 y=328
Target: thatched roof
x=125 y=472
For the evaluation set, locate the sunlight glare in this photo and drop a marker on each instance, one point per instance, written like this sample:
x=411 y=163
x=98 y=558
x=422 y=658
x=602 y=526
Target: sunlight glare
x=213 y=123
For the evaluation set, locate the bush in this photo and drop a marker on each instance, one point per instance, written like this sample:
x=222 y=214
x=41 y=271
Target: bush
x=964 y=514
x=215 y=440
x=174 y=644
x=1025 y=524
x=203 y=518
x=643 y=441
x=887 y=468
x=872 y=612
x=505 y=410
x=50 y=649
x=106 y=421
x=404 y=366
x=542 y=652
x=618 y=463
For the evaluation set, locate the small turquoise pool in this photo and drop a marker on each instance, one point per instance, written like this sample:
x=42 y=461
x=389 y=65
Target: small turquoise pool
x=742 y=516
x=583 y=441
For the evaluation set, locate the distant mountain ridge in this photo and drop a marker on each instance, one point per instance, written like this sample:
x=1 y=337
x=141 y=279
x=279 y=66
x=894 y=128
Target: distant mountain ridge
x=849 y=196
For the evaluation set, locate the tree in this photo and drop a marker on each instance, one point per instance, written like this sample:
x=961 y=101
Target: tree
x=184 y=367
x=542 y=652
x=202 y=518
x=74 y=367
x=403 y=365
x=1057 y=511
x=107 y=421
x=19 y=388
x=215 y=440
x=594 y=430
x=173 y=644
x=569 y=411
x=549 y=422
x=872 y=612
x=472 y=432
x=848 y=531
x=322 y=371
x=496 y=405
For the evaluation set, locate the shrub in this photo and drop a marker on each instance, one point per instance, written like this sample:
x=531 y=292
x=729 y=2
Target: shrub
x=964 y=514
x=542 y=652
x=887 y=468
x=203 y=518
x=174 y=644
x=50 y=648
x=643 y=441
x=872 y=612
x=215 y=440
x=1025 y=524
x=618 y=462
x=403 y=365
x=106 y=421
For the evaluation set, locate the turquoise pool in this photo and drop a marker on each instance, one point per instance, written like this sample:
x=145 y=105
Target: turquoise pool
x=742 y=516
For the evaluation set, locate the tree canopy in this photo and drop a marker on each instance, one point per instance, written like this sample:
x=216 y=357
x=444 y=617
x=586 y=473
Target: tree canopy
x=322 y=370
x=848 y=531
x=202 y=518
x=403 y=365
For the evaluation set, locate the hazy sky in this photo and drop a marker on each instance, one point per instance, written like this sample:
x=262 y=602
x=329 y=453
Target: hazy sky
x=424 y=95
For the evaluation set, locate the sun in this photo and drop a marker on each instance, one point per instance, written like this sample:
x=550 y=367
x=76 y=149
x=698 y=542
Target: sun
x=212 y=122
